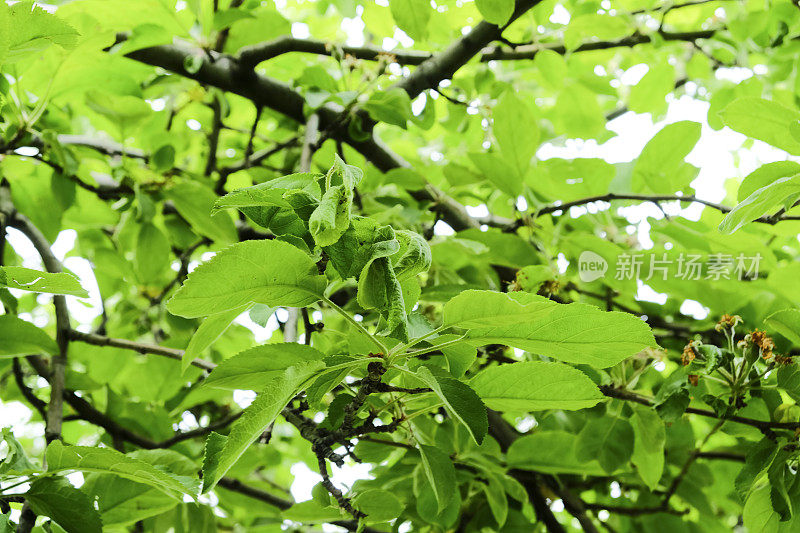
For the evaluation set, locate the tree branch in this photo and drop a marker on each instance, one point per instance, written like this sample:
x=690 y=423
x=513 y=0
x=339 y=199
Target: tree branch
x=252 y=55
x=529 y=51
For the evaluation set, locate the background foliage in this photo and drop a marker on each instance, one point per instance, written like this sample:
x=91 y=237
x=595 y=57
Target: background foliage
x=385 y=215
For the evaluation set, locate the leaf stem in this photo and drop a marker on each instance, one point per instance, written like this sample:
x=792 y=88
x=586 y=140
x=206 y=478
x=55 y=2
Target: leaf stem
x=436 y=347
x=400 y=348
x=357 y=325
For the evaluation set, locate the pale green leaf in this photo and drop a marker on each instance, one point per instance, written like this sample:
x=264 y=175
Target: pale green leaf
x=496 y=11
x=18 y=337
x=551 y=452
x=761 y=202
x=412 y=16
x=763 y=120
x=516 y=131
x=661 y=164
x=27 y=279
x=272 y=273
x=195 y=203
x=223 y=452
x=209 y=331
x=61 y=457
x=379 y=505
x=252 y=368
x=535 y=386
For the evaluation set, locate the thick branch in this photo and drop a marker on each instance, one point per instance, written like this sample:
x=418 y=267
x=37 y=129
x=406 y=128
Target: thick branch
x=443 y=65
x=55 y=407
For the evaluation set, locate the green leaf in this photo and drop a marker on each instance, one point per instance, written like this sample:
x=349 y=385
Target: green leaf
x=575 y=333
x=379 y=505
x=766 y=174
x=760 y=202
x=208 y=332
x=498 y=171
x=392 y=106
x=152 y=253
x=272 y=273
x=269 y=193
x=413 y=257
x=440 y=472
x=222 y=452
x=535 y=386
x=27 y=29
x=496 y=11
x=60 y=457
x=252 y=368
x=331 y=218
x=651 y=91
x=496 y=497
x=23 y=338
x=67 y=506
x=787 y=323
x=610 y=440
x=15 y=460
x=648 y=446
x=474 y=309
x=27 y=279
x=661 y=164
x=550 y=452
x=411 y=16
x=195 y=203
x=123 y=111
x=464 y=404
x=516 y=130
x=763 y=120
x=789 y=380
x=122 y=502
x=379 y=288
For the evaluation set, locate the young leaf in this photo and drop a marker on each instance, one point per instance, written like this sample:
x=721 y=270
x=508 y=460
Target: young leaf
x=378 y=288
x=252 y=368
x=272 y=272
x=15 y=460
x=152 y=253
x=269 y=193
x=764 y=175
x=60 y=457
x=460 y=400
x=27 y=279
x=67 y=506
x=440 y=472
x=413 y=257
x=781 y=191
x=23 y=338
x=331 y=218
x=222 y=452
x=535 y=386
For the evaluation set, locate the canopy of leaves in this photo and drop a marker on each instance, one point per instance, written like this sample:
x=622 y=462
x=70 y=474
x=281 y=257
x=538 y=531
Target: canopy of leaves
x=381 y=249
